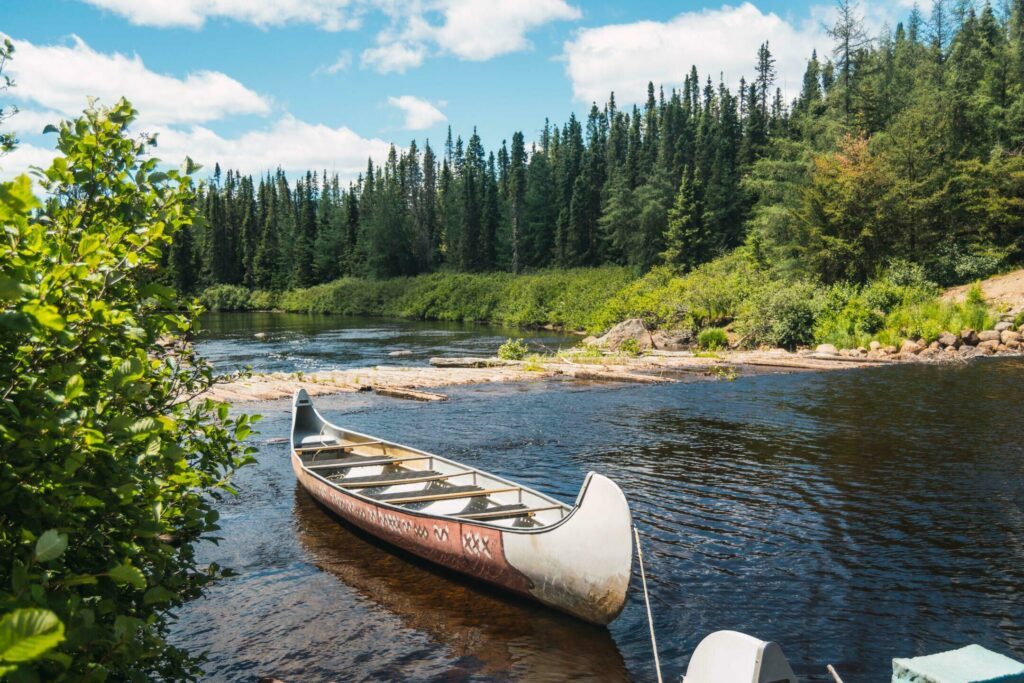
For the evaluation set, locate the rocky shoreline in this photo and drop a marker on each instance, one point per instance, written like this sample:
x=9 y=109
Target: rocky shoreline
x=652 y=357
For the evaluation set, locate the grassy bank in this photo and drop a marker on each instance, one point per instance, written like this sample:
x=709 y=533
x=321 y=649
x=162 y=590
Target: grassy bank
x=757 y=304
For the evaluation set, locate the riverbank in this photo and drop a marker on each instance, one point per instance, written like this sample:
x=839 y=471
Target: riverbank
x=655 y=367
x=753 y=305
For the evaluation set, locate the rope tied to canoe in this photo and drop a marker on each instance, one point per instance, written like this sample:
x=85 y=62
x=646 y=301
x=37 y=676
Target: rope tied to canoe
x=647 y=601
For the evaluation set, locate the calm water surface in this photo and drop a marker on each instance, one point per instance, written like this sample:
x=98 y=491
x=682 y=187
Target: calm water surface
x=851 y=516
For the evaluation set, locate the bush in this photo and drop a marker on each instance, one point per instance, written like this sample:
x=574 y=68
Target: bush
x=629 y=347
x=262 y=300
x=111 y=465
x=712 y=339
x=226 y=298
x=513 y=349
x=1019 y=320
x=779 y=313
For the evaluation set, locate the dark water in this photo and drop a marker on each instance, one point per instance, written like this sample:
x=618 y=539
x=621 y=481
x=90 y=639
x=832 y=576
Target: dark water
x=308 y=343
x=851 y=516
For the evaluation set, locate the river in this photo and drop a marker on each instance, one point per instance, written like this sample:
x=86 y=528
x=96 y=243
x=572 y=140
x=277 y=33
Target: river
x=851 y=516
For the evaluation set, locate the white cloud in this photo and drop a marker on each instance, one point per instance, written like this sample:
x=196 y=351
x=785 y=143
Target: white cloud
x=23 y=157
x=330 y=15
x=342 y=63
x=31 y=121
x=292 y=144
x=61 y=77
x=394 y=57
x=625 y=57
x=419 y=114
x=482 y=29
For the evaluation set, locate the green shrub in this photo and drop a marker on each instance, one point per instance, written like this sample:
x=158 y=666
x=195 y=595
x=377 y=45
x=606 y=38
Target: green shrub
x=225 y=298
x=513 y=349
x=109 y=471
x=629 y=347
x=712 y=339
x=1019 y=320
x=779 y=313
x=262 y=300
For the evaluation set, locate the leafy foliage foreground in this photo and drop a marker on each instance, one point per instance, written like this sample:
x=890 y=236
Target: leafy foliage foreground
x=111 y=464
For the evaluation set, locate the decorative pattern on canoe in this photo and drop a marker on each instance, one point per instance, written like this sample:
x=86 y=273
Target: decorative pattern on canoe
x=463 y=546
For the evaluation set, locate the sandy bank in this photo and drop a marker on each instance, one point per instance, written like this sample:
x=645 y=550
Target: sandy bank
x=406 y=382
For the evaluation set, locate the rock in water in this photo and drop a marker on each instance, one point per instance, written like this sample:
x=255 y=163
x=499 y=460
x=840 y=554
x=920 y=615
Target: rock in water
x=260 y=335
x=400 y=352
x=633 y=328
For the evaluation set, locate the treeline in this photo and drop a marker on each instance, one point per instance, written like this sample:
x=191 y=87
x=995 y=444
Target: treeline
x=908 y=145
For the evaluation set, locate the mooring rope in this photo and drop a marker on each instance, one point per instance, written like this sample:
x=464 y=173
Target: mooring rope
x=647 y=601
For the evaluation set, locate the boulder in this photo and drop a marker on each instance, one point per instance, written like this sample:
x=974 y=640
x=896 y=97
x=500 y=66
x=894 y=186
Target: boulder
x=590 y=341
x=968 y=351
x=845 y=353
x=827 y=349
x=989 y=344
x=1013 y=345
x=1007 y=336
x=988 y=335
x=969 y=337
x=1021 y=329
x=929 y=352
x=875 y=345
x=260 y=335
x=935 y=346
x=950 y=350
x=1002 y=325
x=889 y=350
x=985 y=350
x=949 y=339
x=861 y=351
x=910 y=346
x=633 y=328
x=669 y=340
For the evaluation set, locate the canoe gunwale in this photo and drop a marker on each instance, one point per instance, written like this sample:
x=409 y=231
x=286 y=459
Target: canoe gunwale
x=569 y=510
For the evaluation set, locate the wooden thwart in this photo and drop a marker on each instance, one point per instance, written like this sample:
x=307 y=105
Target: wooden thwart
x=449 y=496
x=398 y=480
x=499 y=514
x=335 y=447
x=364 y=462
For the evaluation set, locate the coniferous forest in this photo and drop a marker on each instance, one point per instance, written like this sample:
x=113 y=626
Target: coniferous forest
x=906 y=145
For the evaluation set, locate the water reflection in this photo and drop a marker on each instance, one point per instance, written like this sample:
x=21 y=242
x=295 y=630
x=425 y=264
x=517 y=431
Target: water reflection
x=487 y=633
x=853 y=517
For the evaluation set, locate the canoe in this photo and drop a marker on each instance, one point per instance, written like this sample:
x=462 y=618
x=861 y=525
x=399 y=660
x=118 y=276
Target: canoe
x=576 y=558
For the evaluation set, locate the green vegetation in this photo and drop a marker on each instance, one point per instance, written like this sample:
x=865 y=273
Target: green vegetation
x=513 y=349
x=906 y=146
x=629 y=347
x=712 y=339
x=109 y=471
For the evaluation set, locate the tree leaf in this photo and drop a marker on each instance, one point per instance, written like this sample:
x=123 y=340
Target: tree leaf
x=45 y=315
x=50 y=545
x=26 y=634
x=158 y=594
x=50 y=128
x=74 y=387
x=126 y=573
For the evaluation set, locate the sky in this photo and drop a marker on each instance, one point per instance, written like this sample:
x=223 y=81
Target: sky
x=324 y=84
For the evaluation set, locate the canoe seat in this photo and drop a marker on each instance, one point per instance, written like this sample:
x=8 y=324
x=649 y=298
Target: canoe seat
x=427 y=491
x=386 y=476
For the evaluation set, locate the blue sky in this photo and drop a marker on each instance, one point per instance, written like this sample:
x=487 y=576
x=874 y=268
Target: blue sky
x=324 y=83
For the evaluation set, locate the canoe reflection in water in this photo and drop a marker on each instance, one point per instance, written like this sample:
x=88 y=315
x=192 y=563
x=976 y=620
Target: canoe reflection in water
x=488 y=632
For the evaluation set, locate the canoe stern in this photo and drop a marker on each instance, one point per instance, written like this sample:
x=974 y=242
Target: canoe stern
x=583 y=565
